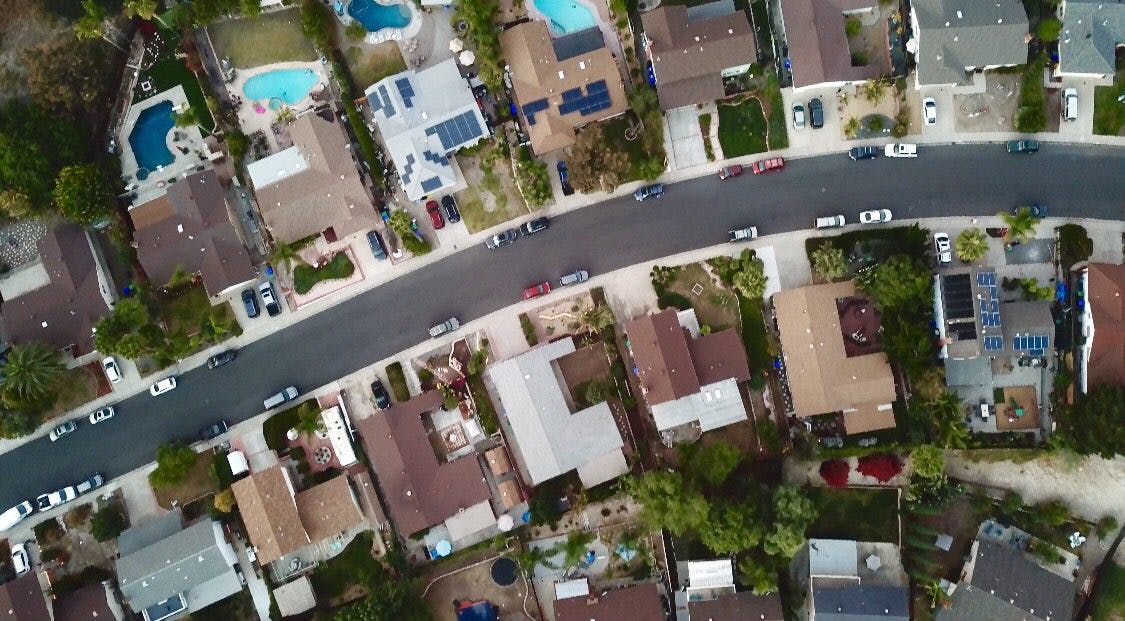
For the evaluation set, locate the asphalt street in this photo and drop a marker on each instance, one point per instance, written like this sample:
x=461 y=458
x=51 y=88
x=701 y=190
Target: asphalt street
x=978 y=180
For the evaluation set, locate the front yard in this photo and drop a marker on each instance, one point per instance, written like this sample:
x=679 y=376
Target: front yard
x=200 y=482
x=491 y=196
x=753 y=122
x=1109 y=105
x=714 y=305
x=277 y=426
x=184 y=310
x=305 y=276
x=263 y=40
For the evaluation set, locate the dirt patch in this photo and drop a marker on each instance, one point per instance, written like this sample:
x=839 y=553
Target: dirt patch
x=72 y=548
x=25 y=28
x=491 y=196
x=80 y=385
x=198 y=484
x=560 y=318
x=476 y=583
x=961 y=521
x=588 y=363
x=994 y=110
x=371 y=63
x=714 y=306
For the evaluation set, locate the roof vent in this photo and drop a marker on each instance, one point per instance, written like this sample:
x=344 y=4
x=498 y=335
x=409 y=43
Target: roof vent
x=947 y=24
x=959 y=15
x=179 y=228
x=1000 y=20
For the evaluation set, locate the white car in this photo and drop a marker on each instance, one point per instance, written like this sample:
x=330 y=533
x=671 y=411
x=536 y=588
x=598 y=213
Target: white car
x=63 y=429
x=929 y=111
x=875 y=216
x=902 y=150
x=103 y=414
x=54 y=499
x=20 y=559
x=1070 y=104
x=165 y=385
x=798 y=117
x=943 y=249
x=15 y=515
x=112 y=371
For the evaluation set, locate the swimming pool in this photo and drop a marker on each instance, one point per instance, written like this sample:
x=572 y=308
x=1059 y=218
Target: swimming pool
x=566 y=15
x=376 y=16
x=148 y=138
x=288 y=85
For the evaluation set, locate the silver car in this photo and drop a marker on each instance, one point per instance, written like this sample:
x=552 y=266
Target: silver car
x=449 y=325
x=574 y=278
x=63 y=429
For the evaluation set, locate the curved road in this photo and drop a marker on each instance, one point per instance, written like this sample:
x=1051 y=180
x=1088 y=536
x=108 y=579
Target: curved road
x=1075 y=181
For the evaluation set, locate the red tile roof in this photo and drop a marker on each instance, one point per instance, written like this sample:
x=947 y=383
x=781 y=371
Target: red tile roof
x=640 y=602
x=22 y=600
x=660 y=349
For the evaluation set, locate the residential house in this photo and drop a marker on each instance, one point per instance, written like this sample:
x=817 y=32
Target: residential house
x=638 y=602
x=424 y=117
x=856 y=581
x=1002 y=581
x=833 y=359
x=693 y=48
x=561 y=84
x=1102 y=358
x=953 y=39
x=188 y=231
x=687 y=378
x=57 y=299
x=166 y=570
x=707 y=593
x=819 y=52
x=22 y=599
x=313 y=187
x=1092 y=32
x=545 y=433
x=419 y=490
x=93 y=602
x=280 y=520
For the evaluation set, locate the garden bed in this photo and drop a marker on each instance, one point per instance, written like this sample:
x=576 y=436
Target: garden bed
x=305 y=276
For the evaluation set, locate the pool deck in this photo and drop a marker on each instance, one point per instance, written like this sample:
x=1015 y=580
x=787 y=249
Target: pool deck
x=252 y=121
x=178 y=138
x=409 y=31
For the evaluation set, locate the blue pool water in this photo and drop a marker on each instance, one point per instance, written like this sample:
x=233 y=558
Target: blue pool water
x=288 y=85
x=148 y=138
x=566 y=15
x=376 y=16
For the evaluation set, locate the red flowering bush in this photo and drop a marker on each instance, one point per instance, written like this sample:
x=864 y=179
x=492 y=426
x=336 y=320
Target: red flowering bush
x=835 y=472
x=883 y=467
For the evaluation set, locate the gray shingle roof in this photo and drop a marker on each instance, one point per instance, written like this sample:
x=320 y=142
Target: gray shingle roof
x=1092 y=29
x=1009 y=575
x=174 y=564
x=861 y=603
x=971 y=604
x=958 y=34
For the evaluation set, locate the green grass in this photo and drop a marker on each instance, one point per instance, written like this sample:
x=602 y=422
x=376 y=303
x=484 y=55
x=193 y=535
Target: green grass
x=742 y=128
x=715 y=306
x=354 y=565
x=859 y=514
x=305 y=276
x=615 y=136
x=1109 y=597
x=1109 y=113
x=397 y=378
x=277 y=426
x=776 y=115
x=762 y=27
x=170 y=71
x=1031 y=115
x=184 y=309
x=266 y=39
x=754 y=336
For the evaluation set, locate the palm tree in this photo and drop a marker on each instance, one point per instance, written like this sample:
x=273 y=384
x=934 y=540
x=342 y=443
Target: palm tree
x=308 y=422
x=971 y=245
x=32 y=372
x=92 y=25
x=284 y=254
x=949 y=431
x=874 y=90
x=575 y=547
x=1021 y=224
x=851 y=128
x=532 y=557
x=598 y=318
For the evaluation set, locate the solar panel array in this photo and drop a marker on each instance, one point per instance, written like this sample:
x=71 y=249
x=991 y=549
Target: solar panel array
x=958 y=290
x=596 y=99
x=406 y=91
x=989 y=301
x=993 y=343
x=456 y=131
x=1035 y=344
x=408 y=169
x=533 y=108
x=379 y=99
x=431 y=184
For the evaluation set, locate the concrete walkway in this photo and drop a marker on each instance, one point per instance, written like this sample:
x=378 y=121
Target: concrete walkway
x=259 y=590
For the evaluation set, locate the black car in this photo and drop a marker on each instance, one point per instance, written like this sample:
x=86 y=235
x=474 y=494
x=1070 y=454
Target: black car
x=450 y=207
x=564 y=178
x=382 y=399
x=863 y=153
x=378 y=249
x=250 y=302
x=534 y=226
x=220 y=359
x=816 y=113
x=213 y=431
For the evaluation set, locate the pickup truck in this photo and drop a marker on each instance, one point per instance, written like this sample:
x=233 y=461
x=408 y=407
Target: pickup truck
x=901 y=150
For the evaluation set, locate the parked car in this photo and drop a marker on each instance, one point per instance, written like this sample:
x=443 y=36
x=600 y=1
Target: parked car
x=250 y=303
x=56 y=498
x=929 y=111
x=434 y=211
x=273 y=308
x=288 y=394
x=743 y=234
x=875 y=216
x=90 y=483
x=379 y=392
x=450 y=206
x=102 y=415
x=574 y=278
x=112 y=371
x=449 y=325
x=1023 y=146
x=378 y=248
x=502 y=238
x=816 y=113
x=863 y=153
x=942 y=248
x=655 y=190
x=1070 y=104
x=535 y=226
x=211 y=432
x=63 y=429
x=15 y=515
x=727 y=172
x=21 y=562
x=564 y=178
x=535 y=291
x=221 y=358
x=830 y=222
x=798 y=117
x=773 y=164
x=902 y=149
x=1039 y=211
x=167 y=384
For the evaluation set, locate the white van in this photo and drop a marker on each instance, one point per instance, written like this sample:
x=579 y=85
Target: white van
x=1070 y=104
x=902 y=149
x=288 y=394
x=830 y=222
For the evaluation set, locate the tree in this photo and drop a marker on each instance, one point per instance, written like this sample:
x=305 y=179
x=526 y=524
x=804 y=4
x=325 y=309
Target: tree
x=107 y=523
x=928 y=483
x=532 y=178
x=945 y=419
x=67 y=76
x=712 y=464
x=400 y=223
x=874 y=91
x=898 y=284
x=224 y=501
x=309 y=422
x=1095 y=423
x=835 y=472
x=596 y=391
x=575 y=547
x=187 y=118
x=532 y=557
x=480 y=15
x=666 y=501
x=92 y=25
x=237 y=143
x=1055 y=513
x=32 y=373
x=174 y=462
x=145 y=9
x=784 y=542
x=1048 y=29
x=34 y=147
x=355 y=31
x=792 y=506
x=598 y=318
x=906 y=341
x=851 y=128
x=594 y=164
x=757 y=576
x=388 y=600
x=127 y=330
x=251 y=8
x=316 y=22
x=82 y=194
x=829 y=262
x=731 y=528
x=1021 y=224
x=750 y=282
x=971 y=245
x=15 y=204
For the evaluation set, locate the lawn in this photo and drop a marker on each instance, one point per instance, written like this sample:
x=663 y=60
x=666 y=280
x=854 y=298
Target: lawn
x=1109 y=110
x=183 y=310
x=276 y=426
x=742 y=128
x=754 y=336
x=397 y=379
x=198 y=484
x=78 y=385
x=714 y=306
x=491 y=196
x=355 y=566
x=1109 y=597
x=879 y=244
x=305 y=276
x=486 y=410
x=266 y=39
x=1031 y=116
x=615 y=135
x=858 y=514
x=170 y=71
x=369 y=64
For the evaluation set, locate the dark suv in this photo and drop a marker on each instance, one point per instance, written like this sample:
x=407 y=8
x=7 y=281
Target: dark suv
x=213 y=431
x=250 y=302
x=450 y=207
x=564 y=178
x=220 y=359
x=863 y=153
x=378 y=249
x=534 y=226
x=816 y=113
x=379 y=391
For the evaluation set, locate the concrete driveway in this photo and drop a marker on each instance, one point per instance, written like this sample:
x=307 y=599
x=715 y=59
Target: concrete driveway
x=685 y=137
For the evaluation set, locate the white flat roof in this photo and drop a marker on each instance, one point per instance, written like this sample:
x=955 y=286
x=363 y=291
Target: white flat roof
x=277 y=166
x=566 y=589
x=710 y=574
x=833 y=557
x=470 y=521
x=338 y=435
x=714 y=406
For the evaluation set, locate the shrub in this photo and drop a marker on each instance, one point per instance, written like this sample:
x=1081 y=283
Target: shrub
x=397 y=379
x=835 y=472
x=883 y=467
x=528 y=330
x=107 y=524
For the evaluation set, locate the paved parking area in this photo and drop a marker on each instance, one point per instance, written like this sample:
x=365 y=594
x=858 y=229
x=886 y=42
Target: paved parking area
x=686 y=137
x=1032 y=251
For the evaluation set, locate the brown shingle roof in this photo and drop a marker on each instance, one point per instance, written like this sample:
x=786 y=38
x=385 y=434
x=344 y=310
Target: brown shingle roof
x=328 y=509
x=190 y=228
x=719 y=356
x=537 y=73
x=688 y=57
x=822 y=378
x=86 y=604
x=640 y=602
x=22 y=600
x=265 y=500
x=818 y=46
x=737 y=607
x=660 y=349
x=62 y=313
x=1106 y=297
x=328 y=193
x=420 y=491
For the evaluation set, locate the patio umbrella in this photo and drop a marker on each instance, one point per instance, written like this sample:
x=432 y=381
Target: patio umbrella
x=467 y=57
x=456 y=45
x=874 y=562
x=505 y=523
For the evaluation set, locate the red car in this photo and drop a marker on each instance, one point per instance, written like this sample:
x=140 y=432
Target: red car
x=535 y=291
x=733 y=170
x=770 y=165
x=435 y=214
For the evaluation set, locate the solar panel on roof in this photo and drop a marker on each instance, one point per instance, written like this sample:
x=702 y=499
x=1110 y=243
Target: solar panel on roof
x=993 y=343
x=431 y=184
x=571 y=94
x=406 y=91
x=595 y=87
x=388 y=107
